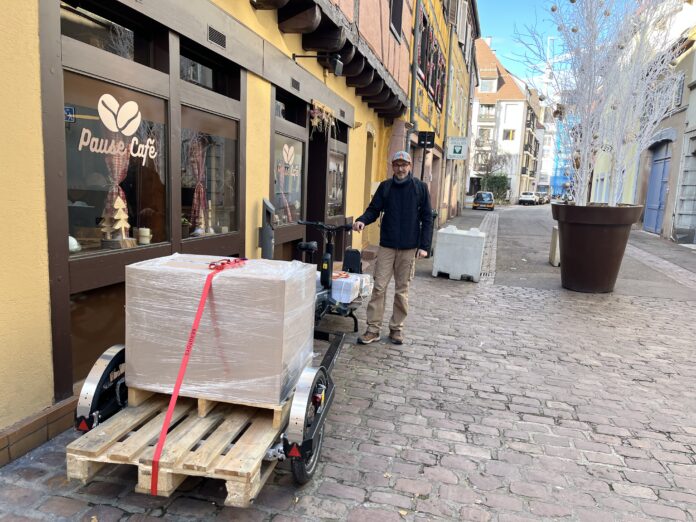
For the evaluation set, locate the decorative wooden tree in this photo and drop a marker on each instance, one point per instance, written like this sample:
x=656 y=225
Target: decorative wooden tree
x=106 y=224
x=120 y=226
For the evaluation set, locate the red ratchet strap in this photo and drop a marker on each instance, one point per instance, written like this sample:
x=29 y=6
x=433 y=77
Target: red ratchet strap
x=216 y=267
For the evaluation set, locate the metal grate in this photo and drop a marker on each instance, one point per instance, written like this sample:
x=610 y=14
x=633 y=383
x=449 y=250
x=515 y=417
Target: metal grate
x=295 y=84
x=217 y=37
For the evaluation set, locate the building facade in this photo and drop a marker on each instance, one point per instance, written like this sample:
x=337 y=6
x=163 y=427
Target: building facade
x=666 y=183
x=506 y=126
x=461 y=81
x=441 y=75
x=156 y=130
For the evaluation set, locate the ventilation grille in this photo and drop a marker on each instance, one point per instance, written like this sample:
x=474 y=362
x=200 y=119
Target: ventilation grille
x=343 y=113
x=295 y=84
x=217 y=37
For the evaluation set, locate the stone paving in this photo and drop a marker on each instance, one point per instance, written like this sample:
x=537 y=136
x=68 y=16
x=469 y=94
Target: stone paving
x=505 y=404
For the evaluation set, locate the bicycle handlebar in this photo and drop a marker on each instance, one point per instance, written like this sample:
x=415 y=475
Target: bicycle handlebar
x=324 y=226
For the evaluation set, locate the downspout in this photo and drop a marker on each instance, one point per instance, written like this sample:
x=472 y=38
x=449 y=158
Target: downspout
x=448 y=100
x=414 y=76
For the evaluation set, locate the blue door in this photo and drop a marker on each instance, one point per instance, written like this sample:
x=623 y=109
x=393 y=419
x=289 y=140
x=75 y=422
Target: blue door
x=657 y=188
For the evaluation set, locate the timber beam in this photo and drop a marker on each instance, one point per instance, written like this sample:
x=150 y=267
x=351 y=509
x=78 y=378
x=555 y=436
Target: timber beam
x=268 y=4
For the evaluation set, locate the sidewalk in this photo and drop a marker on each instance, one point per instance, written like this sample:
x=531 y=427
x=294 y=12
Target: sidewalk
x=510 y=401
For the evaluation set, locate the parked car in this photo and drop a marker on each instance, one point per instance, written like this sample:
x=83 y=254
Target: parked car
x=529 y=198
x=484 y=200
x=542 y=198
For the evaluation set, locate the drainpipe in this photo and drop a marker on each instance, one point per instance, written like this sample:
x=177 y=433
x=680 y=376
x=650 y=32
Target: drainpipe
x=448 y=99
x=414 y=76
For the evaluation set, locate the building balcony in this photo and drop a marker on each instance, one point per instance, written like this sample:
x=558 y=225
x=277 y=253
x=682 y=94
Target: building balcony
x=483 y=144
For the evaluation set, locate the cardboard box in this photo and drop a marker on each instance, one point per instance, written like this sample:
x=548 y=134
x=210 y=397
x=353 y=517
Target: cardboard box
x=255 y=335
x=345 y=289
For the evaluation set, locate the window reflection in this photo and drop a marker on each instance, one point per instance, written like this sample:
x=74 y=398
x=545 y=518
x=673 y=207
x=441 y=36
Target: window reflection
x=288 y=164
x=337 y=166
x=116 y=158
x=209 y=167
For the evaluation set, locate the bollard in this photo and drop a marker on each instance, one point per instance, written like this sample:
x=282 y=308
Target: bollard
x=555 y=249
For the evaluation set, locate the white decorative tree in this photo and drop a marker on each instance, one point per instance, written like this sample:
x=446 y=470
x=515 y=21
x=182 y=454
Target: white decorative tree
x=106 y=224
x=614 y=81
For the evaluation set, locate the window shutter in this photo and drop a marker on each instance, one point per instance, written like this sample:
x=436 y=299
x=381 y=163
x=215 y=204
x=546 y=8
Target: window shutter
x=452 y=12
x=463 y=18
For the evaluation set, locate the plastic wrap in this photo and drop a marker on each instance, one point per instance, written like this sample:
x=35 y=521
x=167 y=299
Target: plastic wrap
x=254 y=339
x=345 y=289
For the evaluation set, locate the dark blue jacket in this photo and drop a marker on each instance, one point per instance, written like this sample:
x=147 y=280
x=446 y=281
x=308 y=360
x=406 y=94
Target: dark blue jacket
x=408 y=219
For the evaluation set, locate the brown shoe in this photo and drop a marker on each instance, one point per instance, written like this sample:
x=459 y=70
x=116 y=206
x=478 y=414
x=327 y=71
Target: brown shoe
x=396 y=337
x=368 y=337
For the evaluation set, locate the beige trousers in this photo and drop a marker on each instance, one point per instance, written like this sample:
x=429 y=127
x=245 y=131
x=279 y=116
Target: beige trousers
x=401 y=265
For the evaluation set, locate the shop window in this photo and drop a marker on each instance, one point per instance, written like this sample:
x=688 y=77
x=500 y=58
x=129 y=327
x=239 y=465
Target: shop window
x=121 y=32
x=288 y=162
x=116 y=166
x=209 y=173
x=336 y=183
x=290 y=108
x=203 y=68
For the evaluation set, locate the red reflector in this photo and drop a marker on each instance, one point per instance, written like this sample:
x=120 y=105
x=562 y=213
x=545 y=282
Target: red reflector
x=83 y=426
x=294 y=451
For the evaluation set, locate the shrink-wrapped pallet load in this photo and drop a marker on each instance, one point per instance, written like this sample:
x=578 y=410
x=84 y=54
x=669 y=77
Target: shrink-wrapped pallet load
x=254 y=339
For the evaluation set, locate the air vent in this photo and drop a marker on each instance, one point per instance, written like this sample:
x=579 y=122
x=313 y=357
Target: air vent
x=343 y=113
x=217 y=37
x=295 y=84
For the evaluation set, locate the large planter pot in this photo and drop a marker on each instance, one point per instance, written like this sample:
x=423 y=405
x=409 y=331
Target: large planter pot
x=593 y=240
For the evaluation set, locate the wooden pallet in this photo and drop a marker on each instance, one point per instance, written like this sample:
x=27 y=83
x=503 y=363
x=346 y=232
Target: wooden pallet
x=226 y=442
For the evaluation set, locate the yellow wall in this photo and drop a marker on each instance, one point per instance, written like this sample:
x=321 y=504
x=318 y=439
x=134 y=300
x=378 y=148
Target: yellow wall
x=602 y=169
x=257 y=163
x=26 y=382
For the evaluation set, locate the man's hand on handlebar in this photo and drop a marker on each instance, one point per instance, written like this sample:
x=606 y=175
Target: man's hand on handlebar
x=358 y=226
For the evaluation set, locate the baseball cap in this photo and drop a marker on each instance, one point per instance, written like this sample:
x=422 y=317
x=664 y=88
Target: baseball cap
x=402 y=155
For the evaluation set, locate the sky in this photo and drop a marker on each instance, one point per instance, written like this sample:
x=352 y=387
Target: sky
x=498 y=19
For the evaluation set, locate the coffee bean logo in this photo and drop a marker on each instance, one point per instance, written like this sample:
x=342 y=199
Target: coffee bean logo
x=129 y=118
x=125 y=119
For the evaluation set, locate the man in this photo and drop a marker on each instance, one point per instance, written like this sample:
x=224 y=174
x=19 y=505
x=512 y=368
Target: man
x=406 y=232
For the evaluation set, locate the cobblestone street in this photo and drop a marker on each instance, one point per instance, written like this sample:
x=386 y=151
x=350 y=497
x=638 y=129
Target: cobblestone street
x=511 y=400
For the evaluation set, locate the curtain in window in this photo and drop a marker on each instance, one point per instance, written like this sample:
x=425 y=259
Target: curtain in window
x=197 y=152
x=117 y=164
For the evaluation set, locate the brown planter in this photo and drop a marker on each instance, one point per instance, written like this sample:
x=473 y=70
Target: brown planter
x=593 y=240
